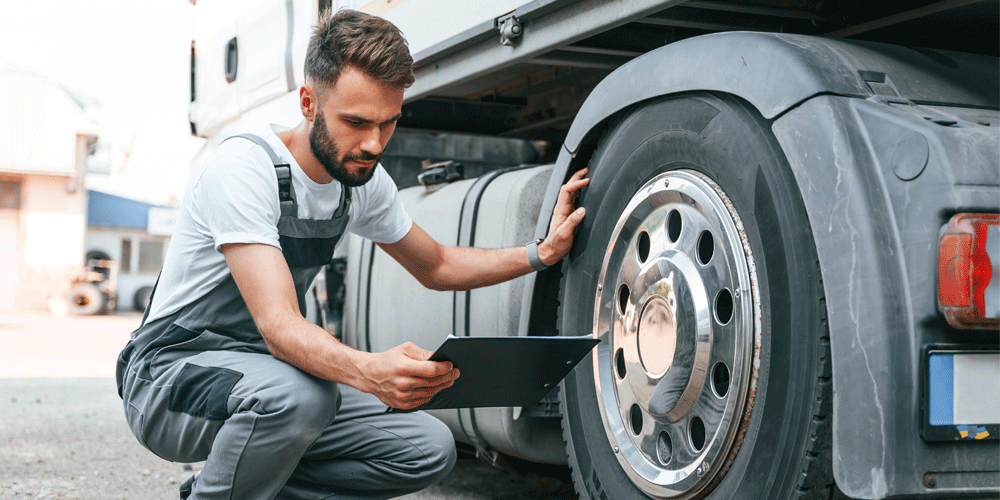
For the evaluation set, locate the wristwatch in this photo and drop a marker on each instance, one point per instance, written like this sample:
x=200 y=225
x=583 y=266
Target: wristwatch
x=533 y=259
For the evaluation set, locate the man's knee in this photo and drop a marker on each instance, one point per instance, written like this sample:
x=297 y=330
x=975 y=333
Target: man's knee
x=439 y=451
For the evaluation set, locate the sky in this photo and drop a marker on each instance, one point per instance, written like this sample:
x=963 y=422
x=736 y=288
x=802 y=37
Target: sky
x=131 y=56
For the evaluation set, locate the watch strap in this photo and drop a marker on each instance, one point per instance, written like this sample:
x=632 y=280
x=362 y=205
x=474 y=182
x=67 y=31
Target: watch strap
x=533 y=259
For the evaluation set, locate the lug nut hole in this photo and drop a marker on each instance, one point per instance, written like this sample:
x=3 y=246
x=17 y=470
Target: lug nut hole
x=642 y=247
x=720 y=379
x=724 y=306
x=706 y=247
x=664 y=447
x=623 y=295
x=635 y=418
x=697 y=431
x=674 y=226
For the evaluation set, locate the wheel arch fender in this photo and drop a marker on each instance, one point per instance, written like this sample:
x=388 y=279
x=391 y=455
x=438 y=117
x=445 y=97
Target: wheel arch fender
x=770 y=71
x=776 y=73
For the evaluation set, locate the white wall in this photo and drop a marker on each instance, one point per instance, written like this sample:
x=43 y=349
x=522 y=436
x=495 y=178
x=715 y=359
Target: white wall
x=43 y=151
x=48 y=246
x=47 y=123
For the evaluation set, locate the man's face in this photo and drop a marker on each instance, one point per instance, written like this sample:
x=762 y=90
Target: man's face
x=325 y=150
x=352 y=124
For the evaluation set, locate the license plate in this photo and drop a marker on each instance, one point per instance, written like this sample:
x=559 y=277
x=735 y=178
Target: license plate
x=961 y=394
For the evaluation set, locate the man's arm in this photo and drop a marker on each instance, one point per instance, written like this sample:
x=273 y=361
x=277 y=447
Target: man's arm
x=442 y=267
x=401 y=377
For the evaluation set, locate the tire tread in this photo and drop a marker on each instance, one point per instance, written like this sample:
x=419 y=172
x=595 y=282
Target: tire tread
x=816 y=477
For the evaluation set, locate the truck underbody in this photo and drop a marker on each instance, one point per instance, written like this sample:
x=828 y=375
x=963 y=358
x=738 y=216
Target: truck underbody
x=472 y=83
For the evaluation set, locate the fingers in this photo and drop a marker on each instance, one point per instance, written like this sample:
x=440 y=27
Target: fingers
x=573 y=186
x=577 y=181
x=410 y=392
x=565 y=217
x=408 y=379
x=420 y=367
x=572 y=221
x=562 y=235
x=421 y=394
x=414 y=351
x=566 y=201
x=563 y=232
x=569 y=192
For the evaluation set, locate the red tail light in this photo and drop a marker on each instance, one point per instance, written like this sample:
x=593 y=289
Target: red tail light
x=969 y=271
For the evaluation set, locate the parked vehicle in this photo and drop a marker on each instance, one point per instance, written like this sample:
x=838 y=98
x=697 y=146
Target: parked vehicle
x=788 y=247
x=93 y=290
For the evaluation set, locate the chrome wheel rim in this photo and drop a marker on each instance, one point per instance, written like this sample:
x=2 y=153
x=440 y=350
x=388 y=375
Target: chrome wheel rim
x=678 y=317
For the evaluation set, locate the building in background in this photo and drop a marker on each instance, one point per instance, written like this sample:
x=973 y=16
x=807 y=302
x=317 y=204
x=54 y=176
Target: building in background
x=45 y=141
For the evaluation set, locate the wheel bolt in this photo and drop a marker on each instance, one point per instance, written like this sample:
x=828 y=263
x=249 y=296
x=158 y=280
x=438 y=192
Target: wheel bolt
x=929 y=480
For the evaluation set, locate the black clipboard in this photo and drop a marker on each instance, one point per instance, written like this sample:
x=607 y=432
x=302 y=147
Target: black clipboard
x=505 y=371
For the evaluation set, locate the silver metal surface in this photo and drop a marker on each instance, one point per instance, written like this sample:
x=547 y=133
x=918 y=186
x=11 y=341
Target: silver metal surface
x=573 y=22
x=675 y=364
x=510 y=28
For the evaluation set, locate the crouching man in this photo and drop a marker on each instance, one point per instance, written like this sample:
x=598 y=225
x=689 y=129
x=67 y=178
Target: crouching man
x=225 y=368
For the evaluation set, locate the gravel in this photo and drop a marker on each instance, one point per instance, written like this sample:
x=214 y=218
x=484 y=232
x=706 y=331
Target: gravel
x=66 y=437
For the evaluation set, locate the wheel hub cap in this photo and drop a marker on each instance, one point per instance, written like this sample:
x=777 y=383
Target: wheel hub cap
x=675 y=314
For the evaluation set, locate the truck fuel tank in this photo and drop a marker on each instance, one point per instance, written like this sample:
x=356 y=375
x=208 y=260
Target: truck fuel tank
x=386 y=306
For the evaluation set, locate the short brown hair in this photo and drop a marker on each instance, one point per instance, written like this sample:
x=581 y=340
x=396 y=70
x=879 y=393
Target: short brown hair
x=369 y=43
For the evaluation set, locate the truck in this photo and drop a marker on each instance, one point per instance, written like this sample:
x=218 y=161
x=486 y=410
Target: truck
x=791 y=242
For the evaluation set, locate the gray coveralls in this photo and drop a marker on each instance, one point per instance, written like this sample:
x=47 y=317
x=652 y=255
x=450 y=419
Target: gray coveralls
x=201 y=384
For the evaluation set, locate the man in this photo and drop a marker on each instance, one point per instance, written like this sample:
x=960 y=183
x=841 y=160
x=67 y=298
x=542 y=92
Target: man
x=224 y=367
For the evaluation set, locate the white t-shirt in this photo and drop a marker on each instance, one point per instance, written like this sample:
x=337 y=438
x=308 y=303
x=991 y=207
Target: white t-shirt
x=233 y=198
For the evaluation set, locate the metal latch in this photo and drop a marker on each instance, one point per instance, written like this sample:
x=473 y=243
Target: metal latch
x=886 y=92
x=440 y=173
x=880 y=84
x=509 y=27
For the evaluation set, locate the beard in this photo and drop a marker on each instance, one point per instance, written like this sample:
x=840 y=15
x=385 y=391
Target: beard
x=324 y=149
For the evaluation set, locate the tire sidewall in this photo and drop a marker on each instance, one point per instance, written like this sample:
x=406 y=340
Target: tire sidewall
x=96 y=301
x=140 y=300
x=728 y=141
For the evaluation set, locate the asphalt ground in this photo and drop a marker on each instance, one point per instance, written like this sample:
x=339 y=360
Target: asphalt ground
x=63 y=434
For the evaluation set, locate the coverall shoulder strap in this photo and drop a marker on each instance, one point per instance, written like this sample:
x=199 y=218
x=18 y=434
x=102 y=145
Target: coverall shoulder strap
x=345 y=201
x=286 y=194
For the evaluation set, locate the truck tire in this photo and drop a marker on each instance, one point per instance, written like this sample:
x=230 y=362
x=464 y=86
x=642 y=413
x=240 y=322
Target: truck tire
x=696 y=268
x=86 y=299
x=140 y=301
